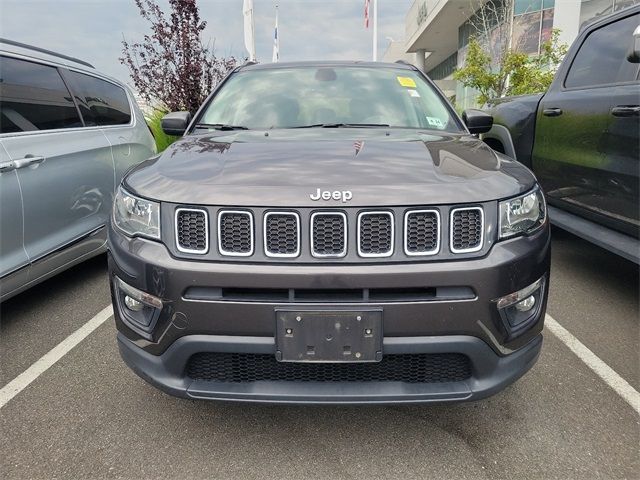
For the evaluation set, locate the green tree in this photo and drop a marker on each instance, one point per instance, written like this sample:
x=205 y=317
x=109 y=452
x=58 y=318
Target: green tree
x=514 y=73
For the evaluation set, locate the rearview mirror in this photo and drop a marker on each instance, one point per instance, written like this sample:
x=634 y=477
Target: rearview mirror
x=477 y=121
x=175 y=123
x=634 y=53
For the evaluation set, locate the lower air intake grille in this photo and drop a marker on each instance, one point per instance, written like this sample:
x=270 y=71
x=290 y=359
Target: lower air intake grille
x=375 y=234
x=329 y=234
x=281 y=234
x=422 y=230
x=235 y=233
x=191 y=230
x=466 y=230
x=250 y=367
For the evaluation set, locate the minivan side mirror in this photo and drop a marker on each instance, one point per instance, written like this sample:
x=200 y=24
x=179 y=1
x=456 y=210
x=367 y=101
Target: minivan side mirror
x=175 y=123
x=477 y=121
x=634 y=53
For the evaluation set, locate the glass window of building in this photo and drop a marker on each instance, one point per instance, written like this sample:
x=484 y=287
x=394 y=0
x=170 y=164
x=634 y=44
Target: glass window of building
x=592 y=9
x=521 y=7
x=532 y=24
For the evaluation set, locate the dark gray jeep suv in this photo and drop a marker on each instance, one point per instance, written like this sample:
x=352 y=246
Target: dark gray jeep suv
x=329 y=233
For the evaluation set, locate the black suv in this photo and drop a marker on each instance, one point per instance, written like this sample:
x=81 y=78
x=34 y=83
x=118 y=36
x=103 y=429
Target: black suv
x=582 y=136
x=329 y=233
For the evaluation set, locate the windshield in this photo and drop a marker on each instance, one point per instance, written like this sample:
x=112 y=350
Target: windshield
x=328 y=96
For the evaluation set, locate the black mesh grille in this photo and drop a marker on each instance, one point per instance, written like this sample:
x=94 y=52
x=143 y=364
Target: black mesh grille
x=281 y=234
x=421 y=232
x=376 y=233
x=466 y=229
x=328 y=234
x=236 y=236
x=409 y=368
x=191 y=230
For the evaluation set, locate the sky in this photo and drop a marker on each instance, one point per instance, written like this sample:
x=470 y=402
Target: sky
x=92 y=30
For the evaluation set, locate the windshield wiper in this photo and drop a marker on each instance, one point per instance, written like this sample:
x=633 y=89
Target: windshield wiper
x=344 y=125
x=221 y=126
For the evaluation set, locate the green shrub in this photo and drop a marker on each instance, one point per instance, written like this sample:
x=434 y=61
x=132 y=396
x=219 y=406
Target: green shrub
x=513 y=73
x=162 y=139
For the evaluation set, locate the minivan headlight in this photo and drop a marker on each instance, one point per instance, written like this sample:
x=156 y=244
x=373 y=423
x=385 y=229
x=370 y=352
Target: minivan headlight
x=522 y=214
x=136 y=216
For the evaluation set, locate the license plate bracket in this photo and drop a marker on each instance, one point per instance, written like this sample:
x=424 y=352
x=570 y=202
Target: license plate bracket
x=329 y=335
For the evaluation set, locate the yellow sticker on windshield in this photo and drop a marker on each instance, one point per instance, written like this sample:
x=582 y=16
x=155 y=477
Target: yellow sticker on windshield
x=407 y=82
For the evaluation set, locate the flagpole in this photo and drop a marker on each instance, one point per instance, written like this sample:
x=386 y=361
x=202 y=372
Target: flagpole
x=249 y=34
x=253 y=35
x=375 y=30
x=276 y=41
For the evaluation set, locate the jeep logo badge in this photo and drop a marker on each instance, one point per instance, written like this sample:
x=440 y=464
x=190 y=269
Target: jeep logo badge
x=344 y=195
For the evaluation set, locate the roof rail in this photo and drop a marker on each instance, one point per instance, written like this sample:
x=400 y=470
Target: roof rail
x=248 y=63
x=44 y=50
x=404 y=62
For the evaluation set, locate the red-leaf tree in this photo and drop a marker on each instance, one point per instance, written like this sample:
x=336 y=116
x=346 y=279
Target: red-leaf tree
x=172 y=65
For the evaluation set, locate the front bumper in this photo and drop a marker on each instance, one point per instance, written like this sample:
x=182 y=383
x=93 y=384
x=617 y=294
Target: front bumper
x=472 y=327
x=491 y=372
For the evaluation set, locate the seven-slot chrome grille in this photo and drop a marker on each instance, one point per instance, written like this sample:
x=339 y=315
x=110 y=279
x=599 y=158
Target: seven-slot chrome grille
x=395 y=233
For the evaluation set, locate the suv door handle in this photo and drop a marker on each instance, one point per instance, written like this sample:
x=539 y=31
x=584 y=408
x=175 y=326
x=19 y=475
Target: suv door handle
x=27 y=161
x=626 y=111
x=552 y=112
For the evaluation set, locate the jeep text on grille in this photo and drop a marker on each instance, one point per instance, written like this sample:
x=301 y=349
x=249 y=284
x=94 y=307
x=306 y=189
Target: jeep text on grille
x=329 y=233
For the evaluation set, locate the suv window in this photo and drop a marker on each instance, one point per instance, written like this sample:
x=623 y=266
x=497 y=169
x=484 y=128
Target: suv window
x=34 y=97
x=101 y=102
x=290 y=97
x=602 y=58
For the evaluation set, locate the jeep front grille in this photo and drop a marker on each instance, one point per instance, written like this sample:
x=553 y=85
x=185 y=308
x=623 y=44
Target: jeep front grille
x=422 y=232
x=192 y=230
x=329 y=234
x=235 y=233
x=281 y=234
x=467 y=227
x=375 y=234
x=349 y=235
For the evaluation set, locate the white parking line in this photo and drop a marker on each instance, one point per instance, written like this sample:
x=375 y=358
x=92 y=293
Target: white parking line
x=23 y=380
x=604 y=371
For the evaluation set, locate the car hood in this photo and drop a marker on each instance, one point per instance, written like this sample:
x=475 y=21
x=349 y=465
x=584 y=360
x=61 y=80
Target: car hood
x=284 y=167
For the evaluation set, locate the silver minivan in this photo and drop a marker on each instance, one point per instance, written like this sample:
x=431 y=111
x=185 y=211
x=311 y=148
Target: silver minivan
x=67 y=136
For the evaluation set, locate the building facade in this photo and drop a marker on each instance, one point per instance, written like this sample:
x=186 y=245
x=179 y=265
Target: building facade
x=437 y=32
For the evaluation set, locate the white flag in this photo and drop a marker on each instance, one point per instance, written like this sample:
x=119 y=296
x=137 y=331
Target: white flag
x=249 y=41
x=276 y=42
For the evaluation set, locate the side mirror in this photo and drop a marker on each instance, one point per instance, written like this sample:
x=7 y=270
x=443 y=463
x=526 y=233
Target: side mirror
x=477 y=121
x=175 y=123
x=634 y=53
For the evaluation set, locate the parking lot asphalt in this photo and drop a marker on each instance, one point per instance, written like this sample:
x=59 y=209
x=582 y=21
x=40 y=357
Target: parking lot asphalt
x=88 y=416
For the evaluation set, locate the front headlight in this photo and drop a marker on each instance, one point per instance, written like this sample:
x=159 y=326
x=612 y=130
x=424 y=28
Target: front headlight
x=136 y=216
x=522 y=214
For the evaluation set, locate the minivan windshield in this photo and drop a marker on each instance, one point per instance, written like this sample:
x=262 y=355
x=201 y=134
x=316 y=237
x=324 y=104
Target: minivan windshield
x=328 y=96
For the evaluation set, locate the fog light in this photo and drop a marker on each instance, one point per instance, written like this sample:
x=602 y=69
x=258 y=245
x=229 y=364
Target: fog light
x=138 y=309
x=526 y=304
x=523 y=294
x=133 y=304
x=519 y=309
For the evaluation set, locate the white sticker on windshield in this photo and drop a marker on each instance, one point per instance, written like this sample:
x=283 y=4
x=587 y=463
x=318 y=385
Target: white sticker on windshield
x=414 y=93
x=435 y=122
